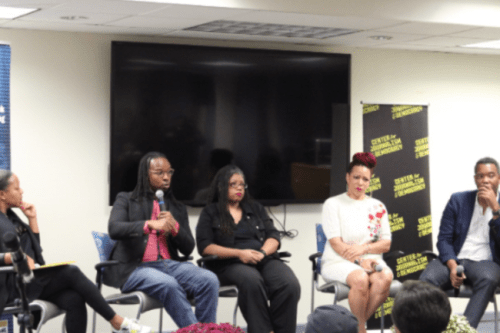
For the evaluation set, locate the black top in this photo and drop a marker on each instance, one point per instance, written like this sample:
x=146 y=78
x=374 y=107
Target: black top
x=251 y=232
x=30 y=244
x=244 y=236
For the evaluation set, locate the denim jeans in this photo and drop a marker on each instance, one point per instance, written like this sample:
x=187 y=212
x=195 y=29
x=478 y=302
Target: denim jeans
x=172 y=282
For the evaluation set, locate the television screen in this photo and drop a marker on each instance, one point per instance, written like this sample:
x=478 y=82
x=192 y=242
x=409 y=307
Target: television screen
x=281 y=116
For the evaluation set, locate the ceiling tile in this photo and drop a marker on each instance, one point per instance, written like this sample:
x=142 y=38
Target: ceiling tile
x=406 y=46
x=197 y=12
x=55 y=16
x=32 y=3
x=445 y=41
x=482 y=33
x=363 y=38
x=110 y=7
x=425 y=28
x=468 y=50
x=43 y=25
x=156 y=22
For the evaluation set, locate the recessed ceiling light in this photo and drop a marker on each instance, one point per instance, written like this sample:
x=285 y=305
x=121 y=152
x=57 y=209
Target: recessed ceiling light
x=268 y=29
x=14 y=12
x=493 y=44
x=74 y=18
x=381 y=37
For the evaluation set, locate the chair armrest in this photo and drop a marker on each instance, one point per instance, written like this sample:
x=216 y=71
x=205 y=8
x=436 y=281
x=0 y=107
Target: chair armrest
x=202 y=260
x=314 y=256
x=106 y=263
x=99 y=268
x=284 y=254
x=393 y=255
x=186 y=258
x=7 y=269
x=430 y=255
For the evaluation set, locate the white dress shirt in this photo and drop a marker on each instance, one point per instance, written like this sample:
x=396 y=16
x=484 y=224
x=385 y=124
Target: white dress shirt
x=477 y=243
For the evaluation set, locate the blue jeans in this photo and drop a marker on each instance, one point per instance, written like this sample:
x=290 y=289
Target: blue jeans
x=483 y=275
x=172 y=282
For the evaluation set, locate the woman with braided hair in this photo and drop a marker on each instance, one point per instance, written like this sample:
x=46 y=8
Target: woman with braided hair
x=358 y=233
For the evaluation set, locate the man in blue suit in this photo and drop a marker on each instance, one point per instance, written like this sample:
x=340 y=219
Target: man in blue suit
x=469 y=236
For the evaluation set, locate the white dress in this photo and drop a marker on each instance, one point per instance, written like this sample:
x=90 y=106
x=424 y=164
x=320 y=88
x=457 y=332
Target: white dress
x=357 y=222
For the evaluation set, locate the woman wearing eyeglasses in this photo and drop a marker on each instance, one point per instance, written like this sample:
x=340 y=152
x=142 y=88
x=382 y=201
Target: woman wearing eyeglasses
x=239 y=231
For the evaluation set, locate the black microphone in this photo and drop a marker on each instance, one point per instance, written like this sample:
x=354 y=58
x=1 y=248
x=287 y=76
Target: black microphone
x=460 y=270
x=161 y=202
x=19 y=259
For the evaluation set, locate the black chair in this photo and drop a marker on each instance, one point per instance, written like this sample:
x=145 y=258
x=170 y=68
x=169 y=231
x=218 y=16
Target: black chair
x=339 y=289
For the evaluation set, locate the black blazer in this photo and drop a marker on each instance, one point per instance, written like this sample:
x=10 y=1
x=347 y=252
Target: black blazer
x=126 y=225
x=7 y=280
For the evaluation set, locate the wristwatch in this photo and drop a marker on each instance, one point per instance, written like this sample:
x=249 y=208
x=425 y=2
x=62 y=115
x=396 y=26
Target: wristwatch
x=263 y=252
x=496 y=212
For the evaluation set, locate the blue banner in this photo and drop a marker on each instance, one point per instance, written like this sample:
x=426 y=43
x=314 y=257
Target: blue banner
x=5 y=107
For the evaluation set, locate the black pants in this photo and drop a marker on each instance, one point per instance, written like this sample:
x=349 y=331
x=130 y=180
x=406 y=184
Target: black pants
x=270 y=279
x=69 y=289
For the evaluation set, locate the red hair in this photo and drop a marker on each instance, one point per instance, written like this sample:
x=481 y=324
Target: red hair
x=365 y=159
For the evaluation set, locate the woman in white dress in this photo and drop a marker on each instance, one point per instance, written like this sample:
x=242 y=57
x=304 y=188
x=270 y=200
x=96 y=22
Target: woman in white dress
x=358 y=232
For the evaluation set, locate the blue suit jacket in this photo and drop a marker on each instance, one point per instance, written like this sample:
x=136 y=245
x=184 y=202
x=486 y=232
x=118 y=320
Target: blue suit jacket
x=455 y=224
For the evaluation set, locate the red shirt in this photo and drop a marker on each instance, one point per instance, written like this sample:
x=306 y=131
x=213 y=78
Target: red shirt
x=157 y=240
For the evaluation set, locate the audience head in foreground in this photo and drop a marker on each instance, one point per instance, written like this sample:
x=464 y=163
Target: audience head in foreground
x=420 y=307
x=331 y=319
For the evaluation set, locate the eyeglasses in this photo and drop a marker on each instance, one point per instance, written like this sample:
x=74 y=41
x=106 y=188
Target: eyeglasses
x=162 y=173
x=490 y=175
x=236 y=185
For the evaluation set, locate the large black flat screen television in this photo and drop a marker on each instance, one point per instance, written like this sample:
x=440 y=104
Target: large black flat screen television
x=281 y=116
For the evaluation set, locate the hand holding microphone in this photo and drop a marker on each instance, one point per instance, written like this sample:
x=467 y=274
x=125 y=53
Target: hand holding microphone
x=373 y=266
x=460 y=276
x=161 y=201
x=165 y=221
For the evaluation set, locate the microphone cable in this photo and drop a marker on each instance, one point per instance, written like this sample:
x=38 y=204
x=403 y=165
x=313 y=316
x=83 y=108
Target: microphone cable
x=284 y=233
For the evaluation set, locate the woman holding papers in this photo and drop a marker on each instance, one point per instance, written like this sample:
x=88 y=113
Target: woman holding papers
x=65 y=285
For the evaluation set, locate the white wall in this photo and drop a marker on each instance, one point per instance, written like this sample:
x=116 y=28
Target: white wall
x=60 y=136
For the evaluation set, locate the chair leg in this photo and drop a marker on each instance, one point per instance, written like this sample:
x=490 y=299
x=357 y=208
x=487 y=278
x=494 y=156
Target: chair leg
x=42 y=320
x=94 y=316
x=496 y=312
x=161 y=320
x=312 y=294
x=235 y=312
x=382 y=313
x=64 y=324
